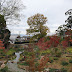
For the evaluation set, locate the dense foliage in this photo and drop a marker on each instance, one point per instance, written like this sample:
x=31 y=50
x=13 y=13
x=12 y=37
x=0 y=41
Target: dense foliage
x=52 y=42
x=37 y=26
x=4 y=32
x=34 y=60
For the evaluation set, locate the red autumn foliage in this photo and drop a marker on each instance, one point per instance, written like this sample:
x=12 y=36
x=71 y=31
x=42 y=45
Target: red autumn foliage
x=32 y=60
x=66 y=41
x=69 y=32
x=67 y=38
x=43 y=62
x=1 y=45
x=70 y=40
x=42 y=44
x=65 y=44
x=53 y=42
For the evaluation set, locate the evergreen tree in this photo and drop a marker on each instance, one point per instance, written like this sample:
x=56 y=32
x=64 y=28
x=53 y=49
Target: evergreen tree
x=4 y=32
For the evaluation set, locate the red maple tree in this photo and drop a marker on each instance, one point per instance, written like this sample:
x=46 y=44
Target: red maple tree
x=1 y=45
x=52 y=42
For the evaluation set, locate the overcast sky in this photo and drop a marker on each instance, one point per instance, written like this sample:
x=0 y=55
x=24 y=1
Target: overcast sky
x=54 y=10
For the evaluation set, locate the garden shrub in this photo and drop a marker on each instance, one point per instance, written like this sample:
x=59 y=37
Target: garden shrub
x=64 y=43
x=36 y=64
x=55 y=58
x=51 y=61
x=45 y=52
x=61 y=39
x=56 y=49
x=25 y=64
x=58 y=54
x=70 y=61
x=69 y=49
x=52 y=42
x=53 y=70
x=5 y=69
x=64 y=63
x=63 y=70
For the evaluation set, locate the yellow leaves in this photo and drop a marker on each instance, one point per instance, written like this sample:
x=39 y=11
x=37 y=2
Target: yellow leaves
x=37 y=28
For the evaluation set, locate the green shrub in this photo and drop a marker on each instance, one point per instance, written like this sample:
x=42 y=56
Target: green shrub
x=25 y=64
x=70 y=61
x=55 y=58
x=56 y=49
x=53 y=70
x=4 y=69
x=63 y=70
x=64 y=63
x=51 y=61
x=58 y=54
x=45 y=52
x=61 y=39
x=10 y=52
x=36 y=64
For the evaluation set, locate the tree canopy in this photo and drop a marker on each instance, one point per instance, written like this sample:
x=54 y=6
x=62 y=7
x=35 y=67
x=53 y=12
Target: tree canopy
x=2 y=22
x=11 y=9
x=65 y=27
x=69 y=19
x=37 y=26
x=4 y=32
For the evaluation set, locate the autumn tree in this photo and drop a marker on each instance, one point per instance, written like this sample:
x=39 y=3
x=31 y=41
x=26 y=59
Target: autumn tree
x=37 y=26
x=4 y=32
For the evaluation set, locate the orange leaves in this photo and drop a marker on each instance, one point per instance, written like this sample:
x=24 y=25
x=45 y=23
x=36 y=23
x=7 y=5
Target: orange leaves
x=1 y=45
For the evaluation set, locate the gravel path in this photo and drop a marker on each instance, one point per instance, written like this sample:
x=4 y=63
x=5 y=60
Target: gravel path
x=14 y=68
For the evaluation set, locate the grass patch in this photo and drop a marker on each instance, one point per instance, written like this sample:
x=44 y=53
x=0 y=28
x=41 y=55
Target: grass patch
x=69 y=49
x=24 y=63
x=10 y=52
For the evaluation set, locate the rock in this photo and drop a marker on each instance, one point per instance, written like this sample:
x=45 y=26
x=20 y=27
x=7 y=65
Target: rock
x=47 y=70
x=3 y=65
